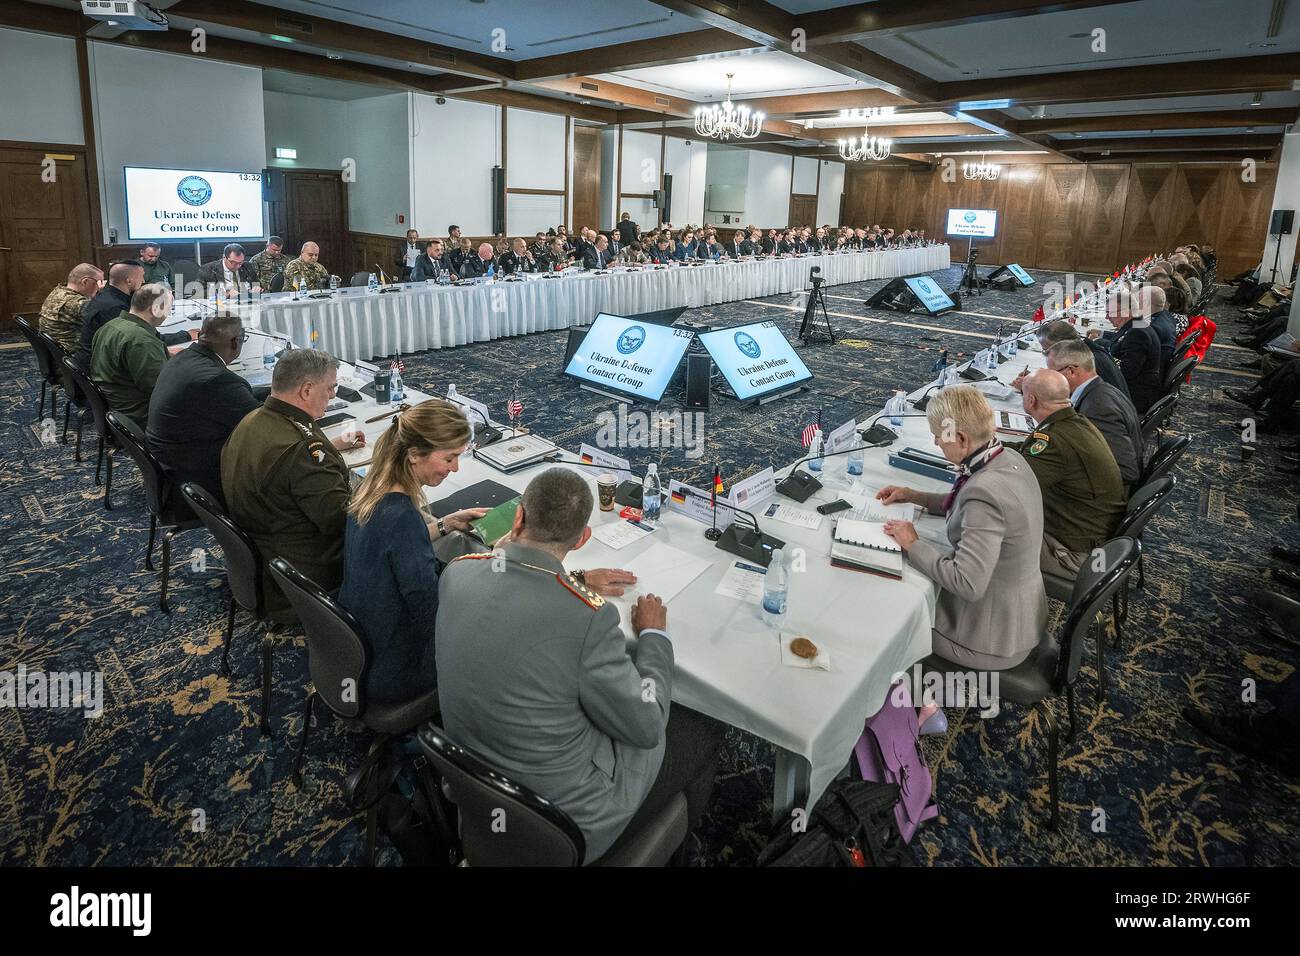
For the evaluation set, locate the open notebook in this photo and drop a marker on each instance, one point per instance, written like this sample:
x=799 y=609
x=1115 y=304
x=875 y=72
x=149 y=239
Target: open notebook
x=864 y=546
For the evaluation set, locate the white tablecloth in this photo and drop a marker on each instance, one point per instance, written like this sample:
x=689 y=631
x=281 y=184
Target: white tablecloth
x=360 y=325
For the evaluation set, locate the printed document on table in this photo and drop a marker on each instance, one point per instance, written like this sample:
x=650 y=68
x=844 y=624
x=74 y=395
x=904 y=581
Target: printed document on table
x=619 y=534
x=743 y=581
x=867 y=508
x=788 y=514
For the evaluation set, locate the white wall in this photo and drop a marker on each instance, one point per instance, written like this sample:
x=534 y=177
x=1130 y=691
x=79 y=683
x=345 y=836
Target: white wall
x=767 y=190
x=377 y=130
x=608 y=180
x=316 y=127
x=829 y=192
x=41 y=102
x=805 y=176
x=535 y=150
x=453 y=148
x=687 y=162
x=640 y=165
x=726 y=175
x=135 y=96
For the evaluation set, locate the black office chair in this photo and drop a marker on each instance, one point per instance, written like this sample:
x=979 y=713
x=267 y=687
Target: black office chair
x=1180 y=350
x=1178 y=371
x=70 y=392
x=97 y=403
x=244 y=574
x=1164 y=458
x=1054 y=665
x=1156 y=417
x=276 y=282
x=184 y=271
x=539 y=833
x=158 y=496
x=337 y=659
x=359 y=279
x=51 y=377
x=1142 y=507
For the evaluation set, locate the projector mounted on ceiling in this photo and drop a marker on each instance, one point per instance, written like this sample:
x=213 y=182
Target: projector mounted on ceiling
x=125 y=14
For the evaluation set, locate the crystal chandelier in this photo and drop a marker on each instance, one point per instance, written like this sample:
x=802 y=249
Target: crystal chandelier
x=871 y=147
x=727 y=121
x=981 y=170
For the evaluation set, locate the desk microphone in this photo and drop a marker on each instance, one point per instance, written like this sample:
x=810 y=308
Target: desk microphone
x=482 y=436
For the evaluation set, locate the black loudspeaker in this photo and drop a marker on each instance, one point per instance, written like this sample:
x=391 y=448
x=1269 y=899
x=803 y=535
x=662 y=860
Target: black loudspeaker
x=272 y=185
x=1282 y=222
x=576 y=335
x=667 y=205
x=498 y=201
x=699 y=372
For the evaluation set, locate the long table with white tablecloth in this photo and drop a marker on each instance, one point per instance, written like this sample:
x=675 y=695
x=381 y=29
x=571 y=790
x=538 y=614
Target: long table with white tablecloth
x=356 y=324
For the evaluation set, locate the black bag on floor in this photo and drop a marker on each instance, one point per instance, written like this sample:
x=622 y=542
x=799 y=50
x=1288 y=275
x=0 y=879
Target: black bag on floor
x=413 y=813
x=853 y=824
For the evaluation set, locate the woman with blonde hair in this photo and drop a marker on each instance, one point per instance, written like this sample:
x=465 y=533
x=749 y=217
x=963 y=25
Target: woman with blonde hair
x=992 y=604
x=390 y=573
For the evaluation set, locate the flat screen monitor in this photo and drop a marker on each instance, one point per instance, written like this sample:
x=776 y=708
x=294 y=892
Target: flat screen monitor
x=973 y=223
x=631 y=358
x=930 y=294
x=190 y=204
x=1023 y=277
x=755 y=359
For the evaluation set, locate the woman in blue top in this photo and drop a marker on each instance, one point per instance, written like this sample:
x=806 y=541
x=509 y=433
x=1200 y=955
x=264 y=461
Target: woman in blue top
x=390 y=574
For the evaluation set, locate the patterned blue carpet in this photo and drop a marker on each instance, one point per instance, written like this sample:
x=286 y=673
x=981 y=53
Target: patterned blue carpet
x=175 y=771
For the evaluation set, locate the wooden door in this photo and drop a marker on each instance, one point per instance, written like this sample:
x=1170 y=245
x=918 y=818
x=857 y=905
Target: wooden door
x=314 y=209
x=803 y=209
x=586 y=177
x=44 y=224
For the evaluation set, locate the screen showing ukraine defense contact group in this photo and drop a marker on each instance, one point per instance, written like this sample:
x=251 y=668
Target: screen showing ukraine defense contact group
x=193 y=204
x=1023 y=277
x=629 y=356
x=930 y=293
x=755 y=359
x=974 y=223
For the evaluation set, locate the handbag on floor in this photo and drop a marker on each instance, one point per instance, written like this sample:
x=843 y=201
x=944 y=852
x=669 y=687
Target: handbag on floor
x=852 y=825
x=889 y=751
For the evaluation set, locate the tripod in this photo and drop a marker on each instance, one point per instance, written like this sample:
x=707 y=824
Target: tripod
x=808 y=329
x=970 y=279
x=1277 y=254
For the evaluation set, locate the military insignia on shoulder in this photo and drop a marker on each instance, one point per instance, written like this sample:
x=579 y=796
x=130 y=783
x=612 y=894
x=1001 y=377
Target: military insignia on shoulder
x=581 y=591
x=1039 y=443
x=305 y=429
x=317 y=453
x=484 y=556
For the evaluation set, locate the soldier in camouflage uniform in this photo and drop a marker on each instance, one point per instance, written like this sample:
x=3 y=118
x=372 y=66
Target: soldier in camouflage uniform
x=306 y=271
x=61 y=311
x=269 y=261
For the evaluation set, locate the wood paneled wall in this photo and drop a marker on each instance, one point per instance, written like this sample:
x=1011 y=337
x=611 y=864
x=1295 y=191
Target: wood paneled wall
x=1075 y=217
x=586 y=174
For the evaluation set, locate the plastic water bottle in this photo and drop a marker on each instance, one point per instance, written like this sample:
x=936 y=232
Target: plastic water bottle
x=1013 y=345
x=857 y=458
x=776 y=588
x=397 y=391
x=334 y=283
x=372 y=283
x=650 y=495
x=814 y=453
x=268 y=353
x=491 y=271
x=950 y=375
x=895 y=407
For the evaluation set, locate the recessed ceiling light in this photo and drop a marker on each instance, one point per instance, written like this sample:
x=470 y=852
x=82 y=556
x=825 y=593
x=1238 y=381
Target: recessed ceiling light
x=1260 y=44
x=332 y=56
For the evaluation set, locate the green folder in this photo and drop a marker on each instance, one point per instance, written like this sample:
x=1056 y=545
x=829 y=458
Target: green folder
x=496 y=524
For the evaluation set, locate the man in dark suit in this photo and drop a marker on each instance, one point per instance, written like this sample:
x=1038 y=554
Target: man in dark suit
x=231 y=272
x=1103 y=405
x=518 y=259
x=1136 y=347
x=662 y=253
x=1162 y=320
x=739 y=245
x=196 y=404
x=628 y=231
x=107 y=304
x=596 y=255
x=432 y=263
x=406 y=254
x=1059 y=330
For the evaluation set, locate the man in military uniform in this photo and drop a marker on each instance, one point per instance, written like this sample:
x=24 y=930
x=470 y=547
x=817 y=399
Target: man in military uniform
x=155 y=270
x=269 y=261
x=306 y=272
x=1083 y=493
x=535 y=676
x=61 y=310
x=286 y=484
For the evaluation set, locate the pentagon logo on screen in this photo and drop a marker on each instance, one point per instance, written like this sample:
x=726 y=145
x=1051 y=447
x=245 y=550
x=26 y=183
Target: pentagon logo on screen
x=194 y=190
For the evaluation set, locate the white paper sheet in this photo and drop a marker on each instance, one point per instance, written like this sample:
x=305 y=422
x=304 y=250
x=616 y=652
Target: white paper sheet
x=663 y=570
x=743 y=581
x=619 y=534
x=788 y=514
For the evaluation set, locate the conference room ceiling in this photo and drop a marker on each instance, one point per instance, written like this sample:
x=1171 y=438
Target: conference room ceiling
x=1204 y=76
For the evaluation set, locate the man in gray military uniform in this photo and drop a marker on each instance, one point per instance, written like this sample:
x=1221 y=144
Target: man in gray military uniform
x=535 y=677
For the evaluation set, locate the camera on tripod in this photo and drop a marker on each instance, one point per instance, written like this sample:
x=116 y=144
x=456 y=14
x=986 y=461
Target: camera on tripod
x=815 y=277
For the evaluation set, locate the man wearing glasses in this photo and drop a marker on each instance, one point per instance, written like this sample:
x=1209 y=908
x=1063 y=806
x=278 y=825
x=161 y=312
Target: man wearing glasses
x=197 y=403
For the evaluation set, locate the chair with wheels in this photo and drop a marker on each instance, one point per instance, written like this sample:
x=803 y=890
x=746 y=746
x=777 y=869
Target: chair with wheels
x=540 y=833
x=159 y=496
x=184 y=271
x=359 y=279
x=337 y=658
x=276 y=282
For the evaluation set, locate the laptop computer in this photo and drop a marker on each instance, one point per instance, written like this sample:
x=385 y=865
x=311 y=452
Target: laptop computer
x=483 y=494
